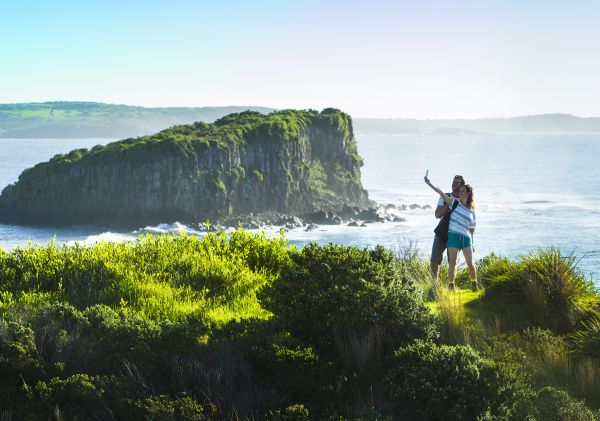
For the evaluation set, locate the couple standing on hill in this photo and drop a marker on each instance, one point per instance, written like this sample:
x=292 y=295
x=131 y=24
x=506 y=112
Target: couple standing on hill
x=455 y=231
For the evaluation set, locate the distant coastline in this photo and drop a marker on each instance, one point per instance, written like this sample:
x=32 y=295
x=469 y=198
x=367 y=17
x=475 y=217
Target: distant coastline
x=534 y=124
x=70 y=119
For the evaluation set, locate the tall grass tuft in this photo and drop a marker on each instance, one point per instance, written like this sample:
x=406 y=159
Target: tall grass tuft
x=544 y=288
x=452 y=316
x=556 y=288
x=587 y=339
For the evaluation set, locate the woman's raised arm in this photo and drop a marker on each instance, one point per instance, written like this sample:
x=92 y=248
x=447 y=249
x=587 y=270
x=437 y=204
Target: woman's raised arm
x=446 y=198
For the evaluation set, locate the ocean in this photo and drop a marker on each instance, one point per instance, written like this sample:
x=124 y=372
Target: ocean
x=531 y=191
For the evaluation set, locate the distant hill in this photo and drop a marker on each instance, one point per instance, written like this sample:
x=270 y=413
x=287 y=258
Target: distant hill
x=94 y=119
x=543 y=123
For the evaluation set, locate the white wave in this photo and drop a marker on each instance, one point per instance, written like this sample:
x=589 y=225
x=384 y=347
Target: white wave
x=105 y=236
x=171 y=228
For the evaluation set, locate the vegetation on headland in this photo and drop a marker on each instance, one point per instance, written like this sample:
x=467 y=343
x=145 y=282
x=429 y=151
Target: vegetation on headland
x=233 y=129
x=239 y=326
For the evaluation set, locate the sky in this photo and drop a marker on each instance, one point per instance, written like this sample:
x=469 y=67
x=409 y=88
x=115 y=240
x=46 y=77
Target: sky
x=400 y=59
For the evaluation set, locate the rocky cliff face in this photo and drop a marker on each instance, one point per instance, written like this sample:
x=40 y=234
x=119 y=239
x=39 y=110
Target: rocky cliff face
x=294 y=162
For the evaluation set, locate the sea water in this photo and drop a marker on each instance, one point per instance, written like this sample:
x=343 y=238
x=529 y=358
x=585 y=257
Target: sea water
x=531 y=191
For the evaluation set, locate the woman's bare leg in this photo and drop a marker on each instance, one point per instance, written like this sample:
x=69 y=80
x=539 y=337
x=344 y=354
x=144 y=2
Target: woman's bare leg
x=468 y=253
x=452 y=256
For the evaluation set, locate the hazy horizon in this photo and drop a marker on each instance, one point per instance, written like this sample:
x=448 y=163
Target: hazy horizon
x=433 y=60
x=266 y=106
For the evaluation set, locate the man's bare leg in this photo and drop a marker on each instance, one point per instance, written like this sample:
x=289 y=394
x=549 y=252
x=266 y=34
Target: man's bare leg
x=434 y=268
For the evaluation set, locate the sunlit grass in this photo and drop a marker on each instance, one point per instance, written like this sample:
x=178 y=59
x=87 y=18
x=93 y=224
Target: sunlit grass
x=160 y=277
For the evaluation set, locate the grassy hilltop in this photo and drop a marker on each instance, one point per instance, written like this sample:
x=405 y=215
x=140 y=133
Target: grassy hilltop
x=239 y=326
x=66 y=119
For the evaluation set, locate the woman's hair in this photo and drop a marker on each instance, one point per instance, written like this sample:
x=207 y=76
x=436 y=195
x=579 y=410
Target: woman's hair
x=471 y=198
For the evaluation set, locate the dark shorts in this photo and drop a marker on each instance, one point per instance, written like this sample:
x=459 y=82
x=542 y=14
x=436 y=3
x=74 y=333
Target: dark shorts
x=437 y=250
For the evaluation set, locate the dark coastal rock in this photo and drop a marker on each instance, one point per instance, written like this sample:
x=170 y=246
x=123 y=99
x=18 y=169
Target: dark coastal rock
x=414 y=206
x=426 y=207
x=251 y=225
x=353 y=224
x=349 y=212
x=337 y=220
x=290 y=222
x=370 y=215
x=322 y=217
x=292 y=162
x=311 y=227
x=295 y=222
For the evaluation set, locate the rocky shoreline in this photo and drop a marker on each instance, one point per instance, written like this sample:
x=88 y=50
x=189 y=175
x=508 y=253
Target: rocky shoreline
x=352 y=216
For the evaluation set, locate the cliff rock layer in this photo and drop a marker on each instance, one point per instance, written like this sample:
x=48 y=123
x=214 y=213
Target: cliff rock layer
x=289 y=161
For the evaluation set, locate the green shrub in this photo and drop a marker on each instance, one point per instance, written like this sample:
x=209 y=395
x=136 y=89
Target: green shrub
x=553 y=404
x=77 y=397
x=277 y=357
x=19 y=363
x=258 y=175
x=543 y=359
x=296 y=412
x=350 y=307
x=430 y=382
x=167 y=409
x=348 y=299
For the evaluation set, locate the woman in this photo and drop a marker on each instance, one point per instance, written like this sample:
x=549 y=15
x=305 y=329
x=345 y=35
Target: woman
x=461 y=231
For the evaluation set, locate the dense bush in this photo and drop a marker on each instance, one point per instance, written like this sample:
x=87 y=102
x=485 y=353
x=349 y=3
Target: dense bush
x=76 y=397
x=430 y=382
x=550 y=404
x=347 y=299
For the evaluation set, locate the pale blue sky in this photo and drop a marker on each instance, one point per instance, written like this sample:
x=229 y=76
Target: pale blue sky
x=425 y=59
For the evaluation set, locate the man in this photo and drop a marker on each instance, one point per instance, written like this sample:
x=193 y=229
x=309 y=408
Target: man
x=439 y=245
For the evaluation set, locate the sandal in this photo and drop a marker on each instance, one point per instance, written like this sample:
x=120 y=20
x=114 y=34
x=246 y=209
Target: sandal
x=451 y=286
x=474 y=286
